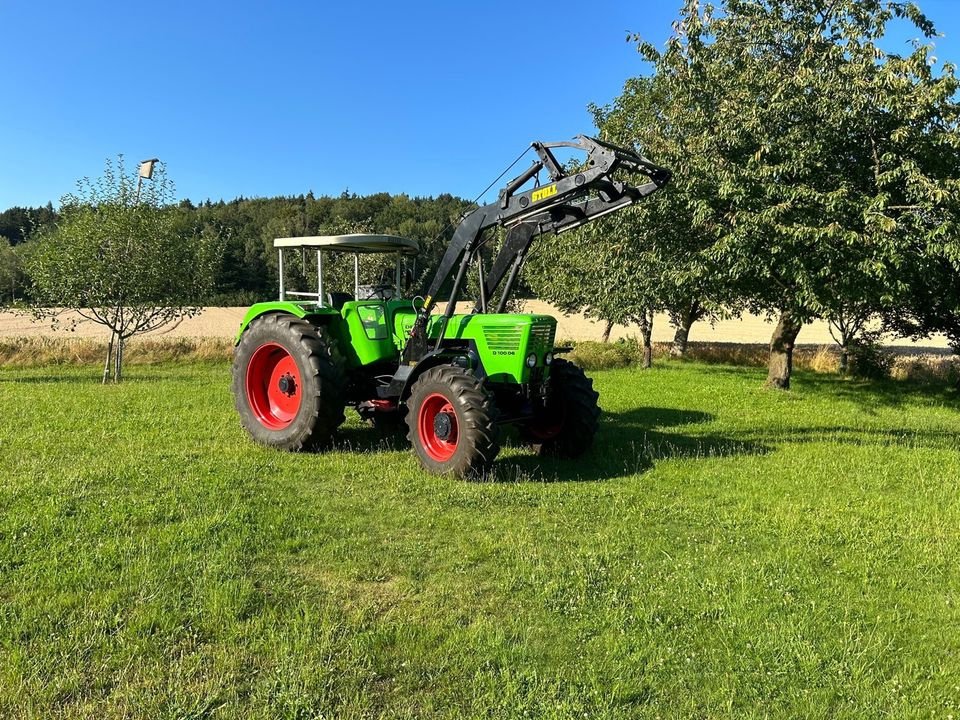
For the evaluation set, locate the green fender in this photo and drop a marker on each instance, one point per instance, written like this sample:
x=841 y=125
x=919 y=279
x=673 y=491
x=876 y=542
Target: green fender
x=280 y=306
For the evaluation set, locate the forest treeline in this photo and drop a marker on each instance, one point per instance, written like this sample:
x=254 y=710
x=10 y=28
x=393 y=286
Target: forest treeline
x=247 y=270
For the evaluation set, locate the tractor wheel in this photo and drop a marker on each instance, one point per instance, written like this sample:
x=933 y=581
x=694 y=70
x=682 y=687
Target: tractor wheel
x=288 y=383
x=566 y=426
x=450 y=417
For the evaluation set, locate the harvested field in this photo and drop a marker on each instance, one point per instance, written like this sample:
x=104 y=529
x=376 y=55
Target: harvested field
x=217 y=322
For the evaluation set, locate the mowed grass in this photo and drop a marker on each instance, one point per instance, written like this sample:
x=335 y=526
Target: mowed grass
x=724 y=552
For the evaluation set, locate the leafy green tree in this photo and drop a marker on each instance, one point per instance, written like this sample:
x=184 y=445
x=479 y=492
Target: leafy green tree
x=120 y=259
x=11 y=271
x=655 y=256
x=822 y=163
x=668 y=117
x=932 y=304
x=610 y=270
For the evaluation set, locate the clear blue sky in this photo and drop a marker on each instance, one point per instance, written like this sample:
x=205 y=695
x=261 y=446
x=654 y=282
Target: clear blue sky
x=263 y=99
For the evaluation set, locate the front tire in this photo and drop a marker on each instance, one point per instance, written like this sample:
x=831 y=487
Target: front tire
x=288 y=383
x=450 y=421
x=567 y=424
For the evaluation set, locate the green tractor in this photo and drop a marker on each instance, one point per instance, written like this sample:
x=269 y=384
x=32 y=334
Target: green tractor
x=453 y=379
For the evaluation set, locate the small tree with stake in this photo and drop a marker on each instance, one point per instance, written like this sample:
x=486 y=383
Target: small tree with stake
x=118 y=258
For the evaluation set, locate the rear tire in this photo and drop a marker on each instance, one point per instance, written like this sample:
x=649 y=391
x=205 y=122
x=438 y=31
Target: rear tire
x=288 y=383
x=450 y=421
x=567 y=425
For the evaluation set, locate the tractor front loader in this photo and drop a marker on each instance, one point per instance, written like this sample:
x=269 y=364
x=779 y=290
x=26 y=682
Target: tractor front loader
x=454 y=379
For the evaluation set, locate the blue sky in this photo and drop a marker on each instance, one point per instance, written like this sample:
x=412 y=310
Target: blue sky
x=263 y=99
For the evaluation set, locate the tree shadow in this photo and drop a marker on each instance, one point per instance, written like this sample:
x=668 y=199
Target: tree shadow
x=368 y=439
x=868 y=394
x=628 y=442
x=903 y=437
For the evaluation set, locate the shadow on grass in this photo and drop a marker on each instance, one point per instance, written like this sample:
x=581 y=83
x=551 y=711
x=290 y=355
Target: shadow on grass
x=628 y=443
x=867 y=394
x=367 y=439
x=861 y=436
x=876 y=393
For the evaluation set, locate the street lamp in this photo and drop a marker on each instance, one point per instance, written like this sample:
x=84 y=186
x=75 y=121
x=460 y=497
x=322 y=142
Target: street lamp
x=146 y=171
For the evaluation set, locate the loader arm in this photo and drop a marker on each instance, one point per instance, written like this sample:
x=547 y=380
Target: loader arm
x=571 y=199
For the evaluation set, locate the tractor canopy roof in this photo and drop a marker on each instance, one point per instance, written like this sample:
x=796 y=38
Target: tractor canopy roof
x=357 y=243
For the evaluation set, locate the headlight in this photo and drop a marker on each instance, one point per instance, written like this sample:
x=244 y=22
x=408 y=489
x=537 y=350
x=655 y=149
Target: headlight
x=532 y=360
x=548 y=358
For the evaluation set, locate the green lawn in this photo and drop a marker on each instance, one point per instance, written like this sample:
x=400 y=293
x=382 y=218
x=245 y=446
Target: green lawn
x=725 y=552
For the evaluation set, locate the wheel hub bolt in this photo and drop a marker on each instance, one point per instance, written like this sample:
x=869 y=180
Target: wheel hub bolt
x=442 y=425
x=288 y=386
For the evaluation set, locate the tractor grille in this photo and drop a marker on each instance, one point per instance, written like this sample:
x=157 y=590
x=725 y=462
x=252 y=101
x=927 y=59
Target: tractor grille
x=504 y=340
x=541 y=338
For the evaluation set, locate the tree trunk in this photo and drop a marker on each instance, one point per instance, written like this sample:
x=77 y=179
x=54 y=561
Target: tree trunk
x=606 y=331
x=646 y=331
x=781 y=351
x=107 y=362
x=844 y=359
x=683 y=320
x=118 y=367
x=680 y=337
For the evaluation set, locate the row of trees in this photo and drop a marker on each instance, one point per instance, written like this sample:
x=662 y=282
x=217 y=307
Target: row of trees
x=815 y=176
x=247 y=268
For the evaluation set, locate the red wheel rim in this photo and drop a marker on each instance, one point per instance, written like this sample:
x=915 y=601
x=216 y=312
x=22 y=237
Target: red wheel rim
x=274 y=389
x=438 y=428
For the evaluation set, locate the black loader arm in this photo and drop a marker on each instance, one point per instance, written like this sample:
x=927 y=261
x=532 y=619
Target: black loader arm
x=572 y=198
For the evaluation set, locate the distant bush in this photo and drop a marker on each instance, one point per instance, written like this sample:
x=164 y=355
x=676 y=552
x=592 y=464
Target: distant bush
x=591 y=355
x=728 y=353
x=823 y=359
x=870 y=361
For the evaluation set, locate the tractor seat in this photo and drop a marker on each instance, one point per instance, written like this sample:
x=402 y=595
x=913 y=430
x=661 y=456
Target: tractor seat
x=337 y=299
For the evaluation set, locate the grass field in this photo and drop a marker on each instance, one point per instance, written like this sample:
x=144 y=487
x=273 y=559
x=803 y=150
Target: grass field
x=725 y=552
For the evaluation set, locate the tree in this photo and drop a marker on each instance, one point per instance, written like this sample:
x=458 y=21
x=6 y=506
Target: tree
x=822 y=162
x=668 y=116
x=933 y=304
x=121 y=261
x=655 y=256
x=610 y=270
x=11 y=271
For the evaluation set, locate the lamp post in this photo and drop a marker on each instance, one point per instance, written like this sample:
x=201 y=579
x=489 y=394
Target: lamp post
x=146 y=171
